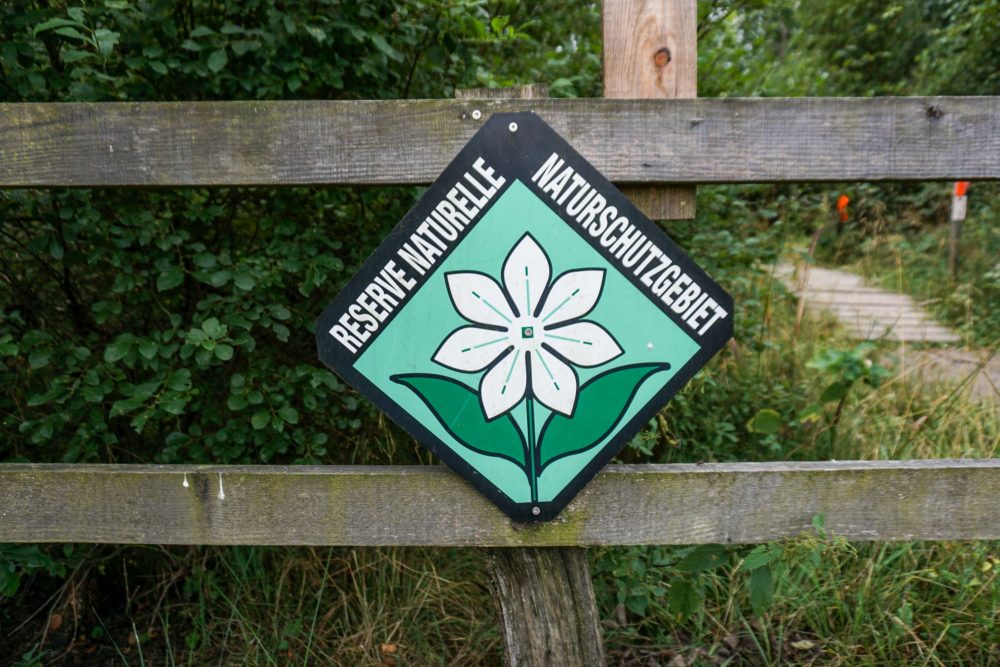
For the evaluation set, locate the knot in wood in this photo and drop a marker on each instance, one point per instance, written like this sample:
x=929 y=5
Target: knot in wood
x=661 y=57
x=934 y=111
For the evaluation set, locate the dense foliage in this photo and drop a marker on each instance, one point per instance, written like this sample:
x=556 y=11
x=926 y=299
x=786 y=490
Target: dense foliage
x=176 y=325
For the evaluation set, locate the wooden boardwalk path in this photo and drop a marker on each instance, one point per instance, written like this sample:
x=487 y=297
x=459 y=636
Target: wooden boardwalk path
x=869 y=313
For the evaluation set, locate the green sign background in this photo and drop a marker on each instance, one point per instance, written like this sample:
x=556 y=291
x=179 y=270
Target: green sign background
x=642 y=330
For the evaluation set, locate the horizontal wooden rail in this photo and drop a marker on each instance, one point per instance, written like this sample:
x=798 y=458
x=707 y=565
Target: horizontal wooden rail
x=410 y=142
x=425 y=505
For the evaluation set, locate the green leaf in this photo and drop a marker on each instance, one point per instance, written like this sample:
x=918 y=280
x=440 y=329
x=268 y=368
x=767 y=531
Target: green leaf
x=704 y=558
x=260 y=419
x=148 y=348
x=766 y=421
x=173 y=404
x=74 y=55
x=179 y=380
x=384 y=47
x=117 y=351
x=213 y=328
x=205 y=260
x=289 y=414
x=220 y=278
x=54 y=23
x=637 y=604
x=217 y=60
x=106 y=40
x=92 y=394
x=834 y=392
x=158 y=67
x=245 y=282
x=316 y=33
x=126 y=405
x=600 y=405
x=8 y=348
x=242 y=46
x=683 y=597
x=39 y=358
x=139 y=421
x=457 y=408
x=237 y=402
x=761 y=589
x=760 y=556
x=72 y=32
x=224 y=351
x=170 y=278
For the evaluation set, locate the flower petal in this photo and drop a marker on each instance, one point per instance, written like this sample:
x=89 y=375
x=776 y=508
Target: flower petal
x=478 y=298
x=526 y=273
x=553 y=382
x=471 y=349
x=573 y=295
x=583 y=343
x=503 y=386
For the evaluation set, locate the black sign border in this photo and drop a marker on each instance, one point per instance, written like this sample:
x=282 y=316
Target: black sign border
x=516 y=155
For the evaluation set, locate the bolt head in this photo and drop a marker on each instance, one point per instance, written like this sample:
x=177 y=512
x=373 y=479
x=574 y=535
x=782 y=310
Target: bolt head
x=536 y=510
x=477 y=114
x=512 y=127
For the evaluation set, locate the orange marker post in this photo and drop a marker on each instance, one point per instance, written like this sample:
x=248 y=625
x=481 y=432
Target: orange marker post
x=842 y=202
x=959 y=206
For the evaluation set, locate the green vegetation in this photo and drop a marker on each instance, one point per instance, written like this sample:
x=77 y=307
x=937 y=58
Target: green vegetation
x=175 y=326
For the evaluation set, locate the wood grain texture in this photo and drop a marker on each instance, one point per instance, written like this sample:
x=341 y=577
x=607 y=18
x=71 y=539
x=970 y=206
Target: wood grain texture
x=548 y=615
x=534 y=91
x=651 y=52
x=428 y=505
x=410 y=142
x=650 y=49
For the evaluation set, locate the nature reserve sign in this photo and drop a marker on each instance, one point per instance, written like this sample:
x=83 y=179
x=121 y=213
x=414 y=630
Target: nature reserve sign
x=524 y=320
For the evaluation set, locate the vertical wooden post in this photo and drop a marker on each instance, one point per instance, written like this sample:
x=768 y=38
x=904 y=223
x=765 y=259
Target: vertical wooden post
x=959 y=203
x=954 y=246
x=651 y=51
x=548 y=613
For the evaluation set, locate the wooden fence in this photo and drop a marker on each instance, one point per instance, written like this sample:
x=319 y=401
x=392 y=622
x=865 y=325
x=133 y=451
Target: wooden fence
x=636 y=142
x=727 y=140
x=716 y=503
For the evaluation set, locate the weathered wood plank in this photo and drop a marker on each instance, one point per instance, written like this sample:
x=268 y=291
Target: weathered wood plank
x=548 y=615
x=410 y=141
x=352 y=505
x=651 y=52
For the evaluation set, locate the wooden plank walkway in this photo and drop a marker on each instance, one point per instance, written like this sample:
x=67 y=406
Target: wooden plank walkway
x=868 y=313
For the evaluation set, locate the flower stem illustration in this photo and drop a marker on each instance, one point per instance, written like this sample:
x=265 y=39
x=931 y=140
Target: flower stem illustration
x=529 y=404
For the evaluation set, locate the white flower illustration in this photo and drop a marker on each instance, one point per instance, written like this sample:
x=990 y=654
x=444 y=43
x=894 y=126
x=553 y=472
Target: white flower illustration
x=528 y=333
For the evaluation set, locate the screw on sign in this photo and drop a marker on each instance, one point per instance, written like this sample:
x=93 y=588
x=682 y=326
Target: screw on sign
x=524 y=320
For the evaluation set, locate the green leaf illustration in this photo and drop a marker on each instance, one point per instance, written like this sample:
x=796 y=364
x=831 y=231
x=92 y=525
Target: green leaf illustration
x=457 y=408
x=601 y=404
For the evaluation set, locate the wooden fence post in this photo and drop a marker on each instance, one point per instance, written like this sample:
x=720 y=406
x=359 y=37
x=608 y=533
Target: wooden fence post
x=548 y=613
x=651 y=51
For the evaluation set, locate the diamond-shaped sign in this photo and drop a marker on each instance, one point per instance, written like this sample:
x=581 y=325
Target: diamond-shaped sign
x=524 y=320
